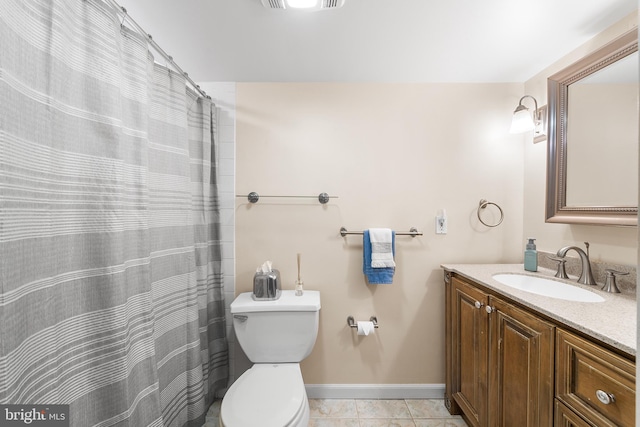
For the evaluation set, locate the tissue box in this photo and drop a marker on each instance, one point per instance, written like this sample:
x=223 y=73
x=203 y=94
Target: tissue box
x=266 y=286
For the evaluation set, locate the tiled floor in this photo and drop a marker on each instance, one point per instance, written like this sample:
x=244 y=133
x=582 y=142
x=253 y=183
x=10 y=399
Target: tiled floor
x=371 y=413
x=212 y=415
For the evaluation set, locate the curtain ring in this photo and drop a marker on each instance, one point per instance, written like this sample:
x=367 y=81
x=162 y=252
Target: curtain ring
x=483 y=204
x=124 y=16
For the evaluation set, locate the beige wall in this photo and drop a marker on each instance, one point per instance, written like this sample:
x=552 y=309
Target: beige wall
x=394 y=154
x=608 y=244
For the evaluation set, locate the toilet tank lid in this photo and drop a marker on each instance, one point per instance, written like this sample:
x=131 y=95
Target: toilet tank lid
x=288 y=301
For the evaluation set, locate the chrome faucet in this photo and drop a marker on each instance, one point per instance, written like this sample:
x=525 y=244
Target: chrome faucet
x=586 y=276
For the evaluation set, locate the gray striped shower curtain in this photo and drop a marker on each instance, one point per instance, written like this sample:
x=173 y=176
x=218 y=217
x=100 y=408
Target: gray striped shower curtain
x=111 y=295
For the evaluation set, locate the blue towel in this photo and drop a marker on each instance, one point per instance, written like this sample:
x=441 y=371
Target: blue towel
x=376 y=276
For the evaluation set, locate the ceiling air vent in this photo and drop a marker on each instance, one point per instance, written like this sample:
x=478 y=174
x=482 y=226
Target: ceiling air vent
x=309 y=5
x=330 y=4
x=273 y=4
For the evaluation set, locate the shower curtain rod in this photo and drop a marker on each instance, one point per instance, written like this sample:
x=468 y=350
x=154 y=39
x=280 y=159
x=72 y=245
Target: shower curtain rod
x=156 y=47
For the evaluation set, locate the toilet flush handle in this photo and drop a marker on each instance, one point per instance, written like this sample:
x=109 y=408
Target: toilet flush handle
x=241 y=317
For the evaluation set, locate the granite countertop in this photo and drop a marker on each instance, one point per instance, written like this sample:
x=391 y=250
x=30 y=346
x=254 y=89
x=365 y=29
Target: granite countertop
x=612 y=321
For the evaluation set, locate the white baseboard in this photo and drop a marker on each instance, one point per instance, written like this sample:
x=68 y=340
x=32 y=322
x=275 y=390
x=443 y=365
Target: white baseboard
x=375 y=391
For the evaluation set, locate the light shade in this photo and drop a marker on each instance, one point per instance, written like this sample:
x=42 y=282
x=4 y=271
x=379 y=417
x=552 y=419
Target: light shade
x=522 y=120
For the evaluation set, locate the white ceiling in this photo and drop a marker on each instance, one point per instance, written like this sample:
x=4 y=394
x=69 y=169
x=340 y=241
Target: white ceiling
x=374 y=40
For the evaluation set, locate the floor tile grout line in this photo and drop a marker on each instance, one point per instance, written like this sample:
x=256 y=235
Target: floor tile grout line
x=409 y=410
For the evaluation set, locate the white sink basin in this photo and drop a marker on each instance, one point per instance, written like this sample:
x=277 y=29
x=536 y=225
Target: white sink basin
x=547 y=288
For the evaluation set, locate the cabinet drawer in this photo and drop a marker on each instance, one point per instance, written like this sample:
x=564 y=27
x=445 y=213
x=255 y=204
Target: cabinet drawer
x=586 y=371
x=565 y=417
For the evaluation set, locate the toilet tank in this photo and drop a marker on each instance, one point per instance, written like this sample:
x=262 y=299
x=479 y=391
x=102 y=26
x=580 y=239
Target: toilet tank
x=280 y=331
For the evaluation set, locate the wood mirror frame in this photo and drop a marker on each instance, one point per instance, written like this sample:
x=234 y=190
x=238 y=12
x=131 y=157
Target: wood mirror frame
x=557 y=210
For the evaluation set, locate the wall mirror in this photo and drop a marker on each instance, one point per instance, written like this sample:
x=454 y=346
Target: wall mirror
x=592 y=157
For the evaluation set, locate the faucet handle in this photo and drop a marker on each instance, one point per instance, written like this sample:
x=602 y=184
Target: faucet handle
x=561 y=272
x=610 y=280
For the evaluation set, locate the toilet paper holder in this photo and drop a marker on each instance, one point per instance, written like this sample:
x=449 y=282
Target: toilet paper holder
x=352 y=322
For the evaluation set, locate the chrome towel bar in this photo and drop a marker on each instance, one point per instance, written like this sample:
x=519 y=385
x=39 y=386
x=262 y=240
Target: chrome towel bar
x=323 y=198
x=413 y=232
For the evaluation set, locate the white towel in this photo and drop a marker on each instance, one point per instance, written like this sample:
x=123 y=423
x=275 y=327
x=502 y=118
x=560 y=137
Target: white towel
x=381 y=247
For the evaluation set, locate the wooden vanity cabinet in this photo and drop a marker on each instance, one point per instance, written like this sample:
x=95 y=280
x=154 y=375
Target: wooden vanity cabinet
x=500 y=359
x=508 y=366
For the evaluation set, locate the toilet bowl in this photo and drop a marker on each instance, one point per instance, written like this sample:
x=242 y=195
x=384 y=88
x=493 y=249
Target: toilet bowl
x=267 y=395
x=276 y=335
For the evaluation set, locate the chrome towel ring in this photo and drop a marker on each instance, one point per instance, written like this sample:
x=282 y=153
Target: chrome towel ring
x=482 y=205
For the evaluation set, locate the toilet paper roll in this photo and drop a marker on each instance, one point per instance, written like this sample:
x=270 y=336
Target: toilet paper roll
x=365 y=328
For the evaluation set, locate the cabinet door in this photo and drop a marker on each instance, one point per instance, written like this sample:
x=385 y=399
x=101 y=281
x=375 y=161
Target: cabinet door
x=521 y=362
x=469 y=347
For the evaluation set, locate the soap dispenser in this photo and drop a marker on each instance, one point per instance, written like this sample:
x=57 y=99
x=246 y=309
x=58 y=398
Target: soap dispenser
x=531 y=256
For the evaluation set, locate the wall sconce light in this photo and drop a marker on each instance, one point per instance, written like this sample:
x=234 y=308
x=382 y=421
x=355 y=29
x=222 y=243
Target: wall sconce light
x=523 y=121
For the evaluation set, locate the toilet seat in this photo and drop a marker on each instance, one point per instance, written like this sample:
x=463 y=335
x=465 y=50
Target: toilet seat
x=267 y=395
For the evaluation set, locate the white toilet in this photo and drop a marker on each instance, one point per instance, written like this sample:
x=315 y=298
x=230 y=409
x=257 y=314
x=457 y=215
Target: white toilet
x=276 y=336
